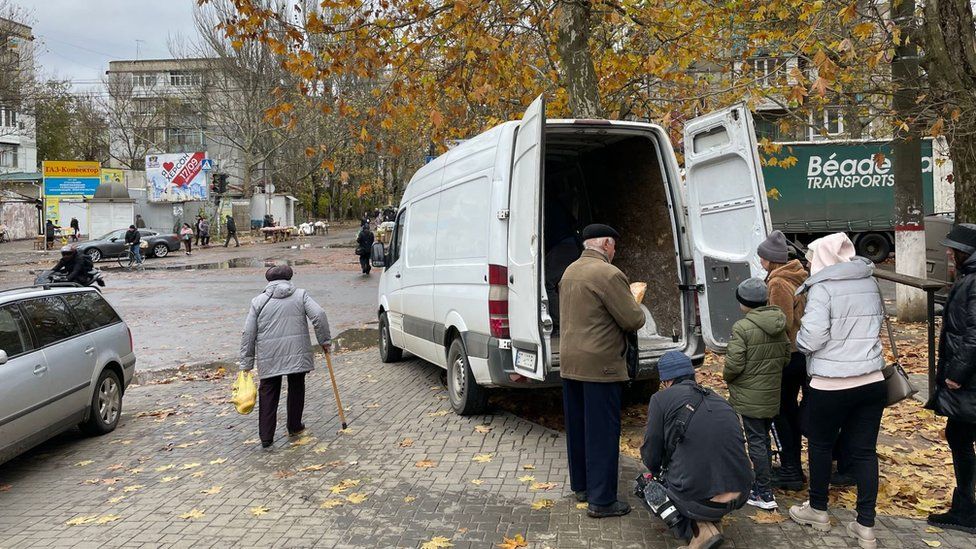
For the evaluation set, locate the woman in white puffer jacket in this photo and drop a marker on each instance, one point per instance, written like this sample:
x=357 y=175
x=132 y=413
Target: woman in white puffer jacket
x=839 y=333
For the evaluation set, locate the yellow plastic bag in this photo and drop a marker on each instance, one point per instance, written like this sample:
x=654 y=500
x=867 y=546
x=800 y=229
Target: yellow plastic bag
x=245 y=393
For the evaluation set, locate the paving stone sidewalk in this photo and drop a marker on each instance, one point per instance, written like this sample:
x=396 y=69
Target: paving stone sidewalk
x=199 y=478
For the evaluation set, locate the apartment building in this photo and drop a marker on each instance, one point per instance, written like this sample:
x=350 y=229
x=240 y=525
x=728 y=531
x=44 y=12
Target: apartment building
x=18 y=147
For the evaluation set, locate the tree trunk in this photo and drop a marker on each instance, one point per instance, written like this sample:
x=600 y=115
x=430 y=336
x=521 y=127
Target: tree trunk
x=907 y=169
x=962 y=150
x=572 y=21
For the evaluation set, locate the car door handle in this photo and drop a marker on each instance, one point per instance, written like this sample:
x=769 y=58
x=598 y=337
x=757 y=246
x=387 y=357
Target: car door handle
x=40 y=369
x=89 y=350
x=397 y=275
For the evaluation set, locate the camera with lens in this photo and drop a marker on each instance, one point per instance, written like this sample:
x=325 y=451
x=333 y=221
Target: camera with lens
x=656 y=497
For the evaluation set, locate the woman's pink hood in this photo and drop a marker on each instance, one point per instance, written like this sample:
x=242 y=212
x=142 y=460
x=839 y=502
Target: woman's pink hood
x=830 y=250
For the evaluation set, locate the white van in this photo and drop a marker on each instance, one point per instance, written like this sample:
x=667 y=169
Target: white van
x=484 y=232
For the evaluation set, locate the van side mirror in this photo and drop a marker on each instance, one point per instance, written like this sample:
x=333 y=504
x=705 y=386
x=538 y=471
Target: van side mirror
x=3 y=356
x=377 y=256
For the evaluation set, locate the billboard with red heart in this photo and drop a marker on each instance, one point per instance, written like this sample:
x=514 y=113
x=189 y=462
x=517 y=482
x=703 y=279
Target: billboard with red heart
x=176 y=177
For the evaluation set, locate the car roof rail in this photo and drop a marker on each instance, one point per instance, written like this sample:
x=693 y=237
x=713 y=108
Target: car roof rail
x=46 y=286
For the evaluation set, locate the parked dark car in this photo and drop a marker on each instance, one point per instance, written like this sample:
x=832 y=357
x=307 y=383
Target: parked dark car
x=938 y=260
x=112 y=244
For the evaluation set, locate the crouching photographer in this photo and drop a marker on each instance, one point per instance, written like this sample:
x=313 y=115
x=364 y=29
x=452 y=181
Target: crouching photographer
x=695 y=451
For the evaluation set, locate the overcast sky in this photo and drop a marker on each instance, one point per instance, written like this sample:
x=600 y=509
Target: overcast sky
x=75 y=39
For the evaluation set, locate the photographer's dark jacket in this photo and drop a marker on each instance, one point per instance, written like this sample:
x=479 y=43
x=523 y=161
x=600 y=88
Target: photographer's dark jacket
x=957 y=349
x=711 y=459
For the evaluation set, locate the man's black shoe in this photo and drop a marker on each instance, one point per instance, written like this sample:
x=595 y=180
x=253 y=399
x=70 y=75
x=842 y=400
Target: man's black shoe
x=788 y=478
x=961 y=516
x=266 y=444
x=615 y=509
x=580 y=495
x=842 y=479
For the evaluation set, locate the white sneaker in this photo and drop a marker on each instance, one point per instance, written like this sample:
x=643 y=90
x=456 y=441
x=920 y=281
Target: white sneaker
x=863 y=534
x=808 y=516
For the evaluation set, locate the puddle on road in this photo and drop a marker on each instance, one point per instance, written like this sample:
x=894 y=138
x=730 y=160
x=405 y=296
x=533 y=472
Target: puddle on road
x=235 y=263
x=300 y=247
x=356 y=339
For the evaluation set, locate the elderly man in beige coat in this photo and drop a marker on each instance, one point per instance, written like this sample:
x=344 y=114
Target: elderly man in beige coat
x=597 y=311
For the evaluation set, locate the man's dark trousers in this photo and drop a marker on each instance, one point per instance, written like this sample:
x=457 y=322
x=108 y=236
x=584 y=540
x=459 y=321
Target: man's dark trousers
x=592 y=412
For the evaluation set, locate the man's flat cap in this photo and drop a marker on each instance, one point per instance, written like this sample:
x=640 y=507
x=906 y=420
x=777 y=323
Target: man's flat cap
x=598 y=230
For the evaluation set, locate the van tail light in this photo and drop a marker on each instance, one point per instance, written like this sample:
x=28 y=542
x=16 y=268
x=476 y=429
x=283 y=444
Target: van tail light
x=131 y=347
x=498 y=301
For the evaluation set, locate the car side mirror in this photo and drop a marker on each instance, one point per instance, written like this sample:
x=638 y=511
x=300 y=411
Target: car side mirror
x=3 y=356
x=377 y=256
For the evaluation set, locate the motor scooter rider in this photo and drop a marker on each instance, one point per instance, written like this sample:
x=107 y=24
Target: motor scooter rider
x=76 y=266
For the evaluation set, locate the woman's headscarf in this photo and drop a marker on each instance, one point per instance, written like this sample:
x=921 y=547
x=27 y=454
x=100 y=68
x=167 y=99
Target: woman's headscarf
x=829 y=250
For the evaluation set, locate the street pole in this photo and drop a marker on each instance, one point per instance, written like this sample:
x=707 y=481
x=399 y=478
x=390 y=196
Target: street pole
x=907 y=165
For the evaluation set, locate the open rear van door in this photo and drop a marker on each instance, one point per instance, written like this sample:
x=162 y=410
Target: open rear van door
x=727 y=213
x=525 y=244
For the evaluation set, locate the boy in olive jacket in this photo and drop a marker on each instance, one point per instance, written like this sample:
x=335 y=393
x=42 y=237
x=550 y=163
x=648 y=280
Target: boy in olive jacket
x=757 y=353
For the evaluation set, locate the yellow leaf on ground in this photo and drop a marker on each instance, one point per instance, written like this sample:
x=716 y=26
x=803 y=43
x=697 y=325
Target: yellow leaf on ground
x=132 y=488
x=331 y=503
x=526 y=478
x=316 y=467
x=188 y=466
x=932 y=542
x=438 y=413
x=477 y=482
x=192 y=514
x=513 y=542
x=217 y=461
x=84 y=463
x=252 y=441
x=408 y=499
x=437 y=542
x=482 y=428
x=107 y=519
x=582 y=505
x=542 y=486
x=933 y=530
x=762 y=517
x=356 y=498
x=406 y=443
x=344 y=485
x=258 y=511
x=528 y=467
x=78 y=521
x=302 y=441
x=211 y=491
x=170 y=479
x=198 y=474
x=425 y=464
x=116 y=499
x=543 y=504
x=482 y=458
x=164 y=468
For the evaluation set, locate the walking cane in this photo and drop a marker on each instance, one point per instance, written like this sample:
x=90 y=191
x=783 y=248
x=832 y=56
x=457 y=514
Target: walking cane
x=335 y=389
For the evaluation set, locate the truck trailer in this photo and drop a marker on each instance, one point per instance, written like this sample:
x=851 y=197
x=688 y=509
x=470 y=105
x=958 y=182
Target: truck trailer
x=847 y=186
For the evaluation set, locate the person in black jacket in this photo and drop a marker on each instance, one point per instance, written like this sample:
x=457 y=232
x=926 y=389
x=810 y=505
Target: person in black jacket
x=77 y=266
x=133 y=240
x=364 y=247
x=232 y=232
x=705 y=471
x=955 y=394
x=49 y=231
x=75 y=229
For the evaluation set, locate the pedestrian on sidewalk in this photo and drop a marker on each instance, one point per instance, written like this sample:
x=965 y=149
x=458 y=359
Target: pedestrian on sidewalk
x=785 y=276
x=204 y=233
x=696 y=452
x=276 y=338
x=186 y=233
x=955 y=393
x=140 y=222
x=597 y=311
x=75 y=229
x=757 y=353
x=364 y=248
x=196 y=229
x=232 y=232
x=134 y=240
x=839 y=333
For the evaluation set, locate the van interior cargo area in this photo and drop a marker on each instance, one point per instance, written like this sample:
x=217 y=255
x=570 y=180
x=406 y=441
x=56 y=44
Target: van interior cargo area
x=616 y=179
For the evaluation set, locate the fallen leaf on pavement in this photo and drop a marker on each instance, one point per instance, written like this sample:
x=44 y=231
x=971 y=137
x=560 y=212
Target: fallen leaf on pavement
x=84 y=463
x=406 y=443
x=482 y=458
x=933 y=530
x=252 y=441
x=336 y=463
x=170 y=479
x=344 y=485
x=158 y=414
x=477 y=482
x=356 y=498
x=438 y=413
x=115 y=467
x=543 y=504
x=331 y=503
x=425 y=464
x=213 y=490
x=192 y=514
x=164 y=468
x=513 y=543
x=526 y=478
x=542 y=486
x=116 y=499
x=302 y=441
x=78 y=521
x=107 y=519
x=767 y=517
x=528 y=467
x=198 y=474
x=136 y=470
x=482 y=428
x=932 y=542
x=217 y=461
x=133 y=488
x=258 y=511
x=437 y=542
x=316 y=467
x=284 y=473
x=582 y=505
x=408 y=499
x=187 y=466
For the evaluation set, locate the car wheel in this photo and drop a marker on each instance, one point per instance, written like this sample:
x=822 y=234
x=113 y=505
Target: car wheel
x=388 y=351
x=467 y=397
x=94 y=254
x=106 y=405
x=160 y=250
x=874 y=246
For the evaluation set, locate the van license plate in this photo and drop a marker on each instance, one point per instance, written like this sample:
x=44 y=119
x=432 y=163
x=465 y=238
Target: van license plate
x=524 y=360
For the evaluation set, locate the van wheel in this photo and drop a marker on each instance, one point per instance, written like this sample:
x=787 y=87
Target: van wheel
x=874 y=246
x=388 y=351
x=467 y=397
x=640 y=392
x=106 y=405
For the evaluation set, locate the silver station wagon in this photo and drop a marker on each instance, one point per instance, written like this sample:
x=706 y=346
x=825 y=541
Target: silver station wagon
x=65 y=359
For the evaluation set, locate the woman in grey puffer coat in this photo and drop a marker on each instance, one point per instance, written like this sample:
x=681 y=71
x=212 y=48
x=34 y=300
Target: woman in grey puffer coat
x=839 y=334
x=276 y=336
